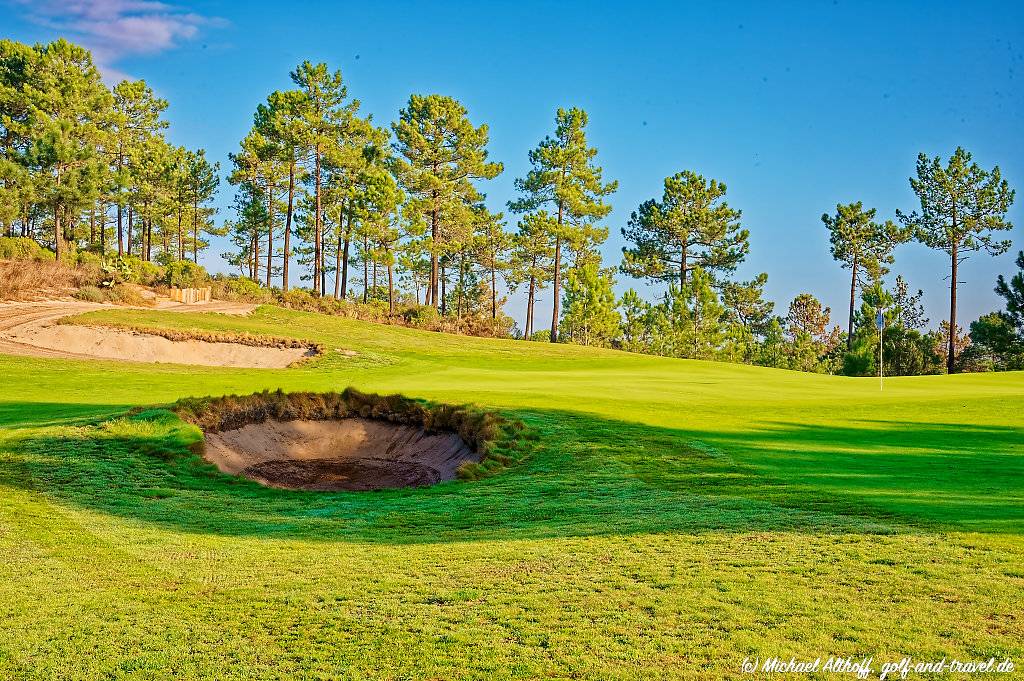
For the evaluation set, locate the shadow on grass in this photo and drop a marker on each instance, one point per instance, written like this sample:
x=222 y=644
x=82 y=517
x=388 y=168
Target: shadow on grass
x=585 y=476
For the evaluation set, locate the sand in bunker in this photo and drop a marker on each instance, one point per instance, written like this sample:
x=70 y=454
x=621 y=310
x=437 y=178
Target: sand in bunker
x=106 y=343
x=344 y=454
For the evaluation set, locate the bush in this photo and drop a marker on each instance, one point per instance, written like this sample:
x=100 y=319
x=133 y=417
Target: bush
x=149 y=274
x=185 y=274
x=425 y=316
x=91 y=294
x=116 y=271
x=89 y=260
x=23 y=248
x=298 y=299
x=127 y=294
x=240 y=289
x=377 y=310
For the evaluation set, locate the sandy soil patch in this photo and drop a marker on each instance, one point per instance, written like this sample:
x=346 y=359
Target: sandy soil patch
x=32 y=329
x=344 y=454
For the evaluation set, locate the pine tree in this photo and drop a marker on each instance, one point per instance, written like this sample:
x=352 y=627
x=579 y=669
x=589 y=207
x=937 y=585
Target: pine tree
x=379 y=203
x=135 y=119
x=68 y=109
x=590 y=315
x=441 y=154
x=748 y=311
x=201 y=182
x=863 y=246
x=357 y=166
x=155 y=194
x=282 y=121
x=962 y=206
x=1013 y=292
x=692 y=226
x=564 y=179
x=493 y=249
x=325 y=115
x=18 y=62
x=533 y=260
x=259 y=165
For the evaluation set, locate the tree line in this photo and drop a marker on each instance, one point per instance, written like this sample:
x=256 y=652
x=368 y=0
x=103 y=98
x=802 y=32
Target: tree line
x=84 y=165
x=394 y=215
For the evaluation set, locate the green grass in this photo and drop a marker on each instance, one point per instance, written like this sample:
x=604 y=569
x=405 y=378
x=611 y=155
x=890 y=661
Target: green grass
x=673 y=518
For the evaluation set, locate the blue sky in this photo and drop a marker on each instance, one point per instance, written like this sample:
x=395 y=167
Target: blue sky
x=794 y=106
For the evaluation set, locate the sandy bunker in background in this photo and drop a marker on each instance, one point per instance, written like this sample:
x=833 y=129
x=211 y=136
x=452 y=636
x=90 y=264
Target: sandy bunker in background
x=33 y=330
x=343 y=454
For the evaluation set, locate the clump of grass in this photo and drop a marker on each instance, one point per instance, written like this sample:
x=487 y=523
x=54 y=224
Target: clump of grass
x=91 y=294
x=119 y=294
x=498 y=440
x=128 y=294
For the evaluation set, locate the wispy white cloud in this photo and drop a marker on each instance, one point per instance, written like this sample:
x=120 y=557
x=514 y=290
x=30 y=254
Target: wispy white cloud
x=114 y=29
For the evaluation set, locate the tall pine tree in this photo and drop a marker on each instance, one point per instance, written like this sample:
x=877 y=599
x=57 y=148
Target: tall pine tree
x=564 y=179
x=962 y=207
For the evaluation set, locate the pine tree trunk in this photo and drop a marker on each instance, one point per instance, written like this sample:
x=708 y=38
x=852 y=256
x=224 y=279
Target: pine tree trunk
x=288 y=225
x=951 y=348
x=434 y=265
x=494 y=293
x=317 y=284
x=344 y=252
x=391 y=287
x=366 y=271
x=120 y=232
x=128 y=242
x=323 y=268
x=181 y=237
x=462 y=287
x=56 y=234
x=270 y=232
x=256 y=253
x=103 y=230
x=195 y=229
x=444 y=289
x=556 y=287
x=558 y=276
x=337 y=263
x=853 y=296
x=529 y=308
x=344 y=256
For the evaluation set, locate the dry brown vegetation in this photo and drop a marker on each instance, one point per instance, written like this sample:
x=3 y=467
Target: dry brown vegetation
x=28 y=279
x=498 y=440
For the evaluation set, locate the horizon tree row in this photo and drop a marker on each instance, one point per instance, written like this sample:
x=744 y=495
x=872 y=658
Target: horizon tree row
x=399 y=212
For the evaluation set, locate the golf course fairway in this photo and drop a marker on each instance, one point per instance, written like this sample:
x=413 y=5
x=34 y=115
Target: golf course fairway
x=670 y=519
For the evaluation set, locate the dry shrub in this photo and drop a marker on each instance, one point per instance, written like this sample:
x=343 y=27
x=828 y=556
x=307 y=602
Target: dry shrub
x=500 y=441
x=20 y=279
x=128 y=294
x=92 y=294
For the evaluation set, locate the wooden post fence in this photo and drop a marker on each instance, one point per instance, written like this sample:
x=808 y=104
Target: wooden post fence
x=190 y=296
